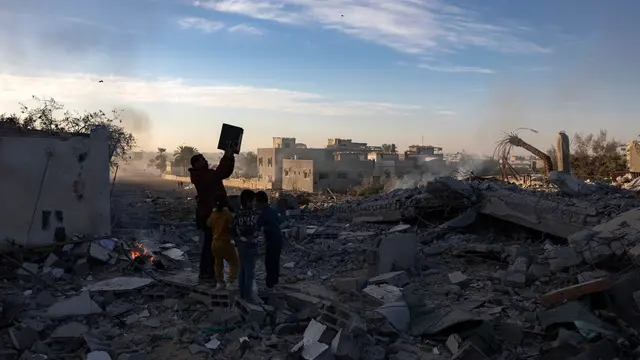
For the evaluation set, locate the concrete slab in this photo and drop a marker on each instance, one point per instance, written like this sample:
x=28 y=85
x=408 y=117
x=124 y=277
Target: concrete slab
x=120 y=284
x=397 y=251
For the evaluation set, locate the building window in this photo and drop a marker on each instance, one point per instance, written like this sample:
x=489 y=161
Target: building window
x=270 y=162
x=286 y=173
x=260 y=161
x=306 y=174
x=323 y=176
x=343 y=175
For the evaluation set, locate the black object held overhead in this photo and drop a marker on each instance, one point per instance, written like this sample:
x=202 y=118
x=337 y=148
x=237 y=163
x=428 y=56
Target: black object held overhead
x=230 y=136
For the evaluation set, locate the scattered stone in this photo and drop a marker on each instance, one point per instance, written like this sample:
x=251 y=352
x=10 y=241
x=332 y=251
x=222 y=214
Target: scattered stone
x=397 y=278
x=515 y=279
x=453 y=343
x=78 y=305
x=459 y=279
x=197 y=349
x=26 y=271
x=72 y=330
x=23 y=338
x=154 y=323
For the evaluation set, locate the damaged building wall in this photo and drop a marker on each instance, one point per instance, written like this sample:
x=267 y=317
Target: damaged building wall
x=633 y=156
x=314 y=175
x=65 y=178
x=270 y=162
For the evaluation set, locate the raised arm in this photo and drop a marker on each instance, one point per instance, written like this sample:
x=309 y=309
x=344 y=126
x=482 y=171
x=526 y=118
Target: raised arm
x=225 y=167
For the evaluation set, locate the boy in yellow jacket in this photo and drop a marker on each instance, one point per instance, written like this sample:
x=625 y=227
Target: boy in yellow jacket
x=220 y=222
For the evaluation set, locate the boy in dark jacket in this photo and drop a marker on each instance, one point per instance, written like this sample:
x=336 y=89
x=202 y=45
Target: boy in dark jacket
x=208 y=184
x=269 y=221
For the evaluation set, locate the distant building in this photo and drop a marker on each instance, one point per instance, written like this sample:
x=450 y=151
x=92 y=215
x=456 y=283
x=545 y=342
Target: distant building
x=316 y=176
x=633 y=156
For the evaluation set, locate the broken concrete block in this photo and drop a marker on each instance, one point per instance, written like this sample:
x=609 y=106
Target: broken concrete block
x=397 y=278
x=45 y=298
x=82 y=267
x=98 y=252
x=344 y=346
x=521 y=265
x=564 y=257
x=251 y=313
x=453 y=343
x=54 y=262
x=538 y=271
x=26 y=271
x=197 y=349
x=300 y=301
x=78 y=305
x=596 y=251
x=98 y=355
x=346 y=285
x=397 y=251
x=469 y=352
x=634 y=253
x=23 y=338
x=72 y=330
x=592 y=275
x=382 y=294
x=459 y=279
x=575 y=291
x=515 y=279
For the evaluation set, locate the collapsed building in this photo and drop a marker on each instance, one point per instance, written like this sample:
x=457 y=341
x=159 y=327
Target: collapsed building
x=53 y=185
x=340 y=165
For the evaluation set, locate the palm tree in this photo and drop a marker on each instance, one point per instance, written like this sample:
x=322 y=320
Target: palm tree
x=182 y=156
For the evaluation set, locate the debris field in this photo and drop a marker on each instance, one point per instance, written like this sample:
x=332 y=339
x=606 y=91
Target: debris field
x=457 y=269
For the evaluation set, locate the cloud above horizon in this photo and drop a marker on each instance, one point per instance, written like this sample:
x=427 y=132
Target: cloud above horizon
x=211 y=26
x=83 y=87
x=409 y=26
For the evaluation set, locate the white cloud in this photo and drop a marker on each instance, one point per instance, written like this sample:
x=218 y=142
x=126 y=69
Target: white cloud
x=411 y=26
x=207 y=26
x=244 y=28
x=456 y=69
x=445 y=112
x=85 y=87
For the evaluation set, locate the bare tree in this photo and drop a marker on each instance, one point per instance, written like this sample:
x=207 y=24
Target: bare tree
x=506 y=144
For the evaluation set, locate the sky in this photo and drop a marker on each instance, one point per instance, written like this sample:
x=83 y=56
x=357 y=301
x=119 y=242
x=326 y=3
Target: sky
x=455 y=74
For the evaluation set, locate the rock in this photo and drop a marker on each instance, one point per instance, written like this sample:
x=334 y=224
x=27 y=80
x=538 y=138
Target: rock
x=521 y=265
x=346 y=285
x=45 y=298
x=373 y=353
x=397 y=278
x=24 y=273
x=564 y=257
x=459 y=279
x=197 y=349
x=136 y=356
x=72 y=330
x=98 y=355
x=154 y=323
x=515 y=279
x=78 y=305
x=23 y=338
x=453 y=343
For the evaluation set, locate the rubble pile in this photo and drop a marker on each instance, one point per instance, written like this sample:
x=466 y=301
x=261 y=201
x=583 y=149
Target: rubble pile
x=452 y=270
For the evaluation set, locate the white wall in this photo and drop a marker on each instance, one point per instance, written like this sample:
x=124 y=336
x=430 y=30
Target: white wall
x=79 y=188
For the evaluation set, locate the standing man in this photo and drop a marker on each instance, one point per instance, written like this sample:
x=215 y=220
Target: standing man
x=208 y=184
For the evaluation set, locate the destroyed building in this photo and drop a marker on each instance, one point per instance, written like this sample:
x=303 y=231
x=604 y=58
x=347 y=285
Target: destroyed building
x=53 y=185
x=315 y=176
x=270 y=160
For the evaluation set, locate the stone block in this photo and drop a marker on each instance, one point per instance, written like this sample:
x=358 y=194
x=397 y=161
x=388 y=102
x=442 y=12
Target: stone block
x=397 y=278
x=23 y=338
x=563 y=257
x=250 y=313
x=397 y=252
x=459 y=279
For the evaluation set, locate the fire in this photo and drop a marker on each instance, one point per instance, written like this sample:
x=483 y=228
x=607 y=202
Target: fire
x=138 y=251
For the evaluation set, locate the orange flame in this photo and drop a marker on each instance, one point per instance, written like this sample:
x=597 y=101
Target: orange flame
x=139 y=250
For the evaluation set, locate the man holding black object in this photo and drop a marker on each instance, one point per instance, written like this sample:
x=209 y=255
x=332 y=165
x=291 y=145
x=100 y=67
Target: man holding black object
x=208 y=184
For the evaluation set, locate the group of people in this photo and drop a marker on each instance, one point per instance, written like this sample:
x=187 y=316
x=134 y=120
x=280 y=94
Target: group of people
x=254 y=226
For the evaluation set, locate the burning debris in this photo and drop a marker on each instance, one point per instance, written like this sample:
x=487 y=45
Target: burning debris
x=140 y=255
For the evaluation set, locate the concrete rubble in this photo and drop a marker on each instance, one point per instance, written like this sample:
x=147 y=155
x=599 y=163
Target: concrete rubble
x=456 y=269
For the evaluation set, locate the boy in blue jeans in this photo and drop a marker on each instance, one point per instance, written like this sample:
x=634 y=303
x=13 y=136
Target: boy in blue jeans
x=269 y=221
x=244 y=228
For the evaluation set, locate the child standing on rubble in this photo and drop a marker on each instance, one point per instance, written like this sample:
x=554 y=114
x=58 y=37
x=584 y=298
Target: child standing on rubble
x=220 y=222
x=244 y=229
x=270 y=224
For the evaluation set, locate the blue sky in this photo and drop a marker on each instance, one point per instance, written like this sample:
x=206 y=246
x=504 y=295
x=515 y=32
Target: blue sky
x=454 y=73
